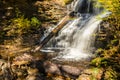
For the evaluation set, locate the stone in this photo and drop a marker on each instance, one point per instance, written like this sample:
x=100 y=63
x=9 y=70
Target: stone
x=32 y=71
x=84 y=77
x=71 y=70
x=51 y=68
x=92 y=73
x=31 y=77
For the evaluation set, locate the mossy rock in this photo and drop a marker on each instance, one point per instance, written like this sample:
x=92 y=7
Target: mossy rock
x=91 y=74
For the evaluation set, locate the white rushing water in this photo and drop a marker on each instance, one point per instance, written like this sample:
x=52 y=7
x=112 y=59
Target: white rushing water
x=76 y=39
x=82 y=44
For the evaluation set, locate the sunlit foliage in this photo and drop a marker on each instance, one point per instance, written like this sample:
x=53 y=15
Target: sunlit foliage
x=111 y=5
x=109 y=55
x=67 y=1
x=21 y=25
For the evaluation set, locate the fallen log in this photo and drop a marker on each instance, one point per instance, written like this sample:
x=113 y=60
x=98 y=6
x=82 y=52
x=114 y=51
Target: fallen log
x=55 y=31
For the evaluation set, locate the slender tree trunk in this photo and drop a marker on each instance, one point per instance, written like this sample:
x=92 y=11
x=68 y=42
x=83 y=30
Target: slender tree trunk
x=55 y=31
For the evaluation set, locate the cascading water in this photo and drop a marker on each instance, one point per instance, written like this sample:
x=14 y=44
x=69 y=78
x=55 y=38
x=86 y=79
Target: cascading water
x=76 y=39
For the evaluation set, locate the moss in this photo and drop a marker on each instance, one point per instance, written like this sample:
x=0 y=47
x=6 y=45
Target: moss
x=67 y=1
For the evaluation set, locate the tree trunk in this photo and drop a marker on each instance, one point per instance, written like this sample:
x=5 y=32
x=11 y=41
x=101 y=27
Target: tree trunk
x=55 y=31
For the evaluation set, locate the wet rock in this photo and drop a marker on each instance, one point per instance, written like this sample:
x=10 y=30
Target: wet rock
x=92 y=73
x=84 y=77
x=71 y=70
x=31 y=77
x=51 y=68
x=32 y=71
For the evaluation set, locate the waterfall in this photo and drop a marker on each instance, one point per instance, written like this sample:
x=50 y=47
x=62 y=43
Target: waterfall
x=82 y=44
x=76 y=40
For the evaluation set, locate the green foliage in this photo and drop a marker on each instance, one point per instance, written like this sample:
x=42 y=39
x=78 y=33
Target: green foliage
x=95 y=73
x=35 y=22
x=21 y=25
x=108 y=57
x=99 y=62
x=67 y=1
x=110 y=74
x=112 y=5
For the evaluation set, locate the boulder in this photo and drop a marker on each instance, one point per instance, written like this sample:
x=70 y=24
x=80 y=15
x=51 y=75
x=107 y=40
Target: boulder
x=71 y=70
x=91 y=74
x=51 y=68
